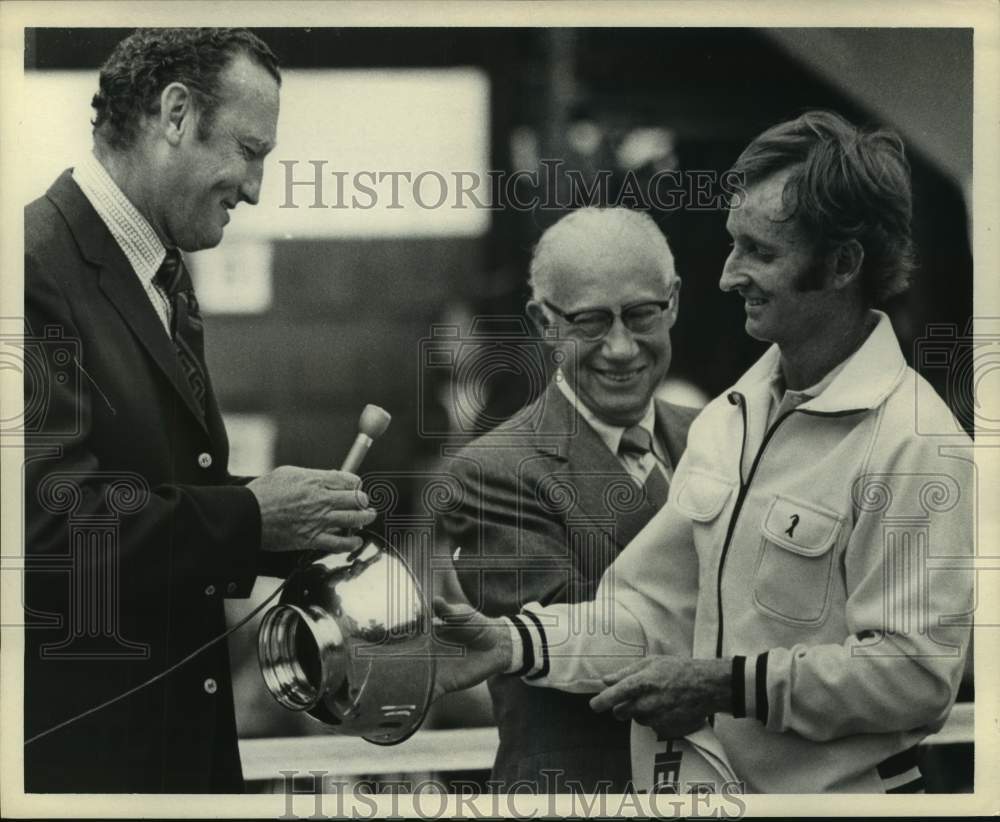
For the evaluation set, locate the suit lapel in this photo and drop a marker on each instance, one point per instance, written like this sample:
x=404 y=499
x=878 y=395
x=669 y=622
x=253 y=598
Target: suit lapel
x=607 y=496
x=122 y=288
x=120 y=284
x=672 y=428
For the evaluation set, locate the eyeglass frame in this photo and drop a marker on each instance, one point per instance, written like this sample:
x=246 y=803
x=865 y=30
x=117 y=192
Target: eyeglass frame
x=665 y=306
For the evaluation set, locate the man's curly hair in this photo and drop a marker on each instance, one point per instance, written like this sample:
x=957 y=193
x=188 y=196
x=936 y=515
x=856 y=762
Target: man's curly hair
x=848 y=183
x=147 y=61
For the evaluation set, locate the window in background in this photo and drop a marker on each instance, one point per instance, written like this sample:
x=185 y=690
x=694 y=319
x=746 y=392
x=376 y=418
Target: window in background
x=251 y=443
x=403 y=134
x=235 y=277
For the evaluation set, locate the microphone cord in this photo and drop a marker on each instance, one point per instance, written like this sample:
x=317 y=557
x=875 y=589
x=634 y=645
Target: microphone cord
x=372 y=425
x=308 y=557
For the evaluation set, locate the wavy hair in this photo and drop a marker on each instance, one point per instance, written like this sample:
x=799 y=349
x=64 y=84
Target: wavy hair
x=147 y=61
x=847 y=183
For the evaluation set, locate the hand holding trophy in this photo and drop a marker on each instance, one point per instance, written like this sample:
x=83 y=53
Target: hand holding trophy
x=350 y=641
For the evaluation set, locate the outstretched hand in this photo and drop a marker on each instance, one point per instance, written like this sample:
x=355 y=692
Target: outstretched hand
x=470 y=647
x=670 y=694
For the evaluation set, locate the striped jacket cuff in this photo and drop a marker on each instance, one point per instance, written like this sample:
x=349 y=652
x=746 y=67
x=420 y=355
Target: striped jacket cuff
x=750 y=687
x=531 y=651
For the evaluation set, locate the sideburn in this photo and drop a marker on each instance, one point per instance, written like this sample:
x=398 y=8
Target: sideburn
x=813 y=278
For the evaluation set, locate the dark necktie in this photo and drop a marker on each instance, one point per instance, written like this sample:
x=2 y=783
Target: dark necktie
x=637 y=442
x=185 y=328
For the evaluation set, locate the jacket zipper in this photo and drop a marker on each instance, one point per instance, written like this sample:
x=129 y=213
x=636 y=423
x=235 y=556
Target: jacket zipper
x=738 y=399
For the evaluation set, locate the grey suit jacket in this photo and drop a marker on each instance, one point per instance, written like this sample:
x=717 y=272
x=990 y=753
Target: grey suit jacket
x=546 y=509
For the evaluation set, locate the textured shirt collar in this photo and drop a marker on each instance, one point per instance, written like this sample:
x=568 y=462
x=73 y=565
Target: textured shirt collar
x=132 y=232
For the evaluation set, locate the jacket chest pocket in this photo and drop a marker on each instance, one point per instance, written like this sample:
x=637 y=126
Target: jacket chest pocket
x=794 y=570
x=701 y=496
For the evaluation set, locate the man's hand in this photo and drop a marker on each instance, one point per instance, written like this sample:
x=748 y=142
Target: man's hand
x=483 y=650
x=303 y=509
x=670 y=694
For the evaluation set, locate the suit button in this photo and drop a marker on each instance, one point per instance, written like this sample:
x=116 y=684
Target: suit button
x=231 y=588
x=210 y=591
x=211 y=686
x=205 y=460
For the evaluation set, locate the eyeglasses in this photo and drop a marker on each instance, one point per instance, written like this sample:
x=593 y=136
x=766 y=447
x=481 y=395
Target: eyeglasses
x=595 y=323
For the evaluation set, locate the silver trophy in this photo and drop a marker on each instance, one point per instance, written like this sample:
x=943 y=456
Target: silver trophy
x=350 y=640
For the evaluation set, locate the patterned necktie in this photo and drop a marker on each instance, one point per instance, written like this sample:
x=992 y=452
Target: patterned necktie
x=186 y=328
x=637 y=442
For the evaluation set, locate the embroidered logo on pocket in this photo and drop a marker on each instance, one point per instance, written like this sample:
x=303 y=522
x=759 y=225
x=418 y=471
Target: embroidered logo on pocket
x=795 y=567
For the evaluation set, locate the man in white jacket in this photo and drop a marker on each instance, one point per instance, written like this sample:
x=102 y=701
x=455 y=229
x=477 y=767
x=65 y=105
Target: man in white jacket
x=813 y=556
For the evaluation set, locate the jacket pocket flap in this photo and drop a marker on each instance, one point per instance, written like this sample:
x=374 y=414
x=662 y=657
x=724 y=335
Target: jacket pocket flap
x=801 y=527
x=702 y=495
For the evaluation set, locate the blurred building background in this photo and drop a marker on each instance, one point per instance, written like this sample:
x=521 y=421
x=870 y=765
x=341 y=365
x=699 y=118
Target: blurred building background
x=319 y=311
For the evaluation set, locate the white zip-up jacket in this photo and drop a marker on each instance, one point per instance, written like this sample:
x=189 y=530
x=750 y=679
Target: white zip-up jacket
x=829 y=554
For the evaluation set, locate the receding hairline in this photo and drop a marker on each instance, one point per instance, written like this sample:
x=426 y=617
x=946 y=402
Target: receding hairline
x=577 y=234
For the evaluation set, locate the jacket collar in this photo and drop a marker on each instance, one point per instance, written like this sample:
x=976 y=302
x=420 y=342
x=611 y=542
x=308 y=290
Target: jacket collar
x=868 y=377
x=121 y=286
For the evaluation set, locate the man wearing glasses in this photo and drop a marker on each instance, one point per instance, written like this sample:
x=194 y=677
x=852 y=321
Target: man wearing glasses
x=555 y=493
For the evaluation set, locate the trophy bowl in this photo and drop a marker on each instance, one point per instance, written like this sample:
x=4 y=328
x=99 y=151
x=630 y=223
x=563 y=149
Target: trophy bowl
x=350 y=643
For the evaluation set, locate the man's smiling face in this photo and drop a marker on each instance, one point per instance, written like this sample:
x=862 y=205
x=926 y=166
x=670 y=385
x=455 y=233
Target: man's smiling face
x=617 y=375
x=208 y=175
x=774 y=267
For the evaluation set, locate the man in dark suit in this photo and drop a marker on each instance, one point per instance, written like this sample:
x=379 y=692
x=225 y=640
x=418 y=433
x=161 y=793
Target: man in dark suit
x=135 y=530
x=554 y=493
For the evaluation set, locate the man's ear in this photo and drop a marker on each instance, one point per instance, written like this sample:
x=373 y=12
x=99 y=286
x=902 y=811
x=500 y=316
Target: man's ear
x=847 y=260
x=674 y=310
x=537 y=316
x=177 y=114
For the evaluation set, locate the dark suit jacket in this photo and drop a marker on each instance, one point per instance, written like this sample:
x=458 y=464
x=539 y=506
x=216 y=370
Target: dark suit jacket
x=546 y=508
x=134 y=529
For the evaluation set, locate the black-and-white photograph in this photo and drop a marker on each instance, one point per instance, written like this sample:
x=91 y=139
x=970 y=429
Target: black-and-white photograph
x=499 y=417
